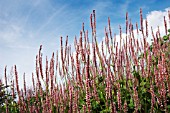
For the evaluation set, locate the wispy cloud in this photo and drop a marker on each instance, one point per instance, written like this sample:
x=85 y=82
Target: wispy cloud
x=49 y=20
x=10 y=33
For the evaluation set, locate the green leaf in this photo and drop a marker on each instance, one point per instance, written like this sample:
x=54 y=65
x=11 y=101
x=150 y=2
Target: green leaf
x=169 y=30
x=131 y=104
x=151 y=47
x=165 y=38
x=168 y=105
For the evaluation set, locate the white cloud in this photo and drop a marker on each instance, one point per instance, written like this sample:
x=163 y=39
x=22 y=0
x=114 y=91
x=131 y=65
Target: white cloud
x=156 y=18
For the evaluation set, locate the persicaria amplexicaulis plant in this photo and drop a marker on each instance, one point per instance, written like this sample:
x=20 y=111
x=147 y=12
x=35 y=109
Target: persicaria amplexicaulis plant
x=123 y=74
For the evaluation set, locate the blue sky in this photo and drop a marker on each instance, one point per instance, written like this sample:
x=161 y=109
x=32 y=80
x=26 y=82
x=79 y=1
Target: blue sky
x=26 y=24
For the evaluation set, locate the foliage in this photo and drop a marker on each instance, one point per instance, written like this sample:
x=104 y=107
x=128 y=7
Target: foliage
x=6 y=99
